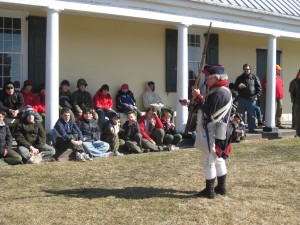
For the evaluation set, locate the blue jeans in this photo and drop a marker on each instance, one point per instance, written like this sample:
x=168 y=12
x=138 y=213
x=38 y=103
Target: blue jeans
x=96 y=148
x=247 y=104
x=258 y=113
x=102 y=113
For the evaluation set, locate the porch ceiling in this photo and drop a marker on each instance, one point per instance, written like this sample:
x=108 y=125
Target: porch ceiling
x=196 y=13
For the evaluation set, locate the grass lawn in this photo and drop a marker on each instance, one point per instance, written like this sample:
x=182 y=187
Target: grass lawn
x=157 y=188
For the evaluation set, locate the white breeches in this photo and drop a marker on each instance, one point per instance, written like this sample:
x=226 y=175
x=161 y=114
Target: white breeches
x=213 y=165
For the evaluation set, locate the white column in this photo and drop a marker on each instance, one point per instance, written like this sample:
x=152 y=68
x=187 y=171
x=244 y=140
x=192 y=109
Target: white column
x=271 y=82
x=52 y=69
x=182 y=77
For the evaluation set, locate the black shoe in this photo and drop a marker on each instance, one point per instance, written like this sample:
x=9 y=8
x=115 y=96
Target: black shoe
x=253 y=132
x=146 y=150
x=261 y=124
x=208 y=191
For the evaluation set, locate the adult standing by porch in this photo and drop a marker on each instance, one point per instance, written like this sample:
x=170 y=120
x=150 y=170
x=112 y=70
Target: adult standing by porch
x=297 y=106
x=278 y=96
x=292 y=90
x=249 y=87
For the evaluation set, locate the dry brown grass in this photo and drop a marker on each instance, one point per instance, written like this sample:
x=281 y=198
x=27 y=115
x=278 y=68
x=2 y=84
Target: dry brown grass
x=156 y=188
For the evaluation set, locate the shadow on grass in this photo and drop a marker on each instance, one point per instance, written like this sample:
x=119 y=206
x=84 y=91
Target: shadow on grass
x=126 y=193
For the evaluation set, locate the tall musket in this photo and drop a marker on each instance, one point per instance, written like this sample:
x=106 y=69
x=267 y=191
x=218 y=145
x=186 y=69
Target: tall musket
x=203 y=58
x=198 y=80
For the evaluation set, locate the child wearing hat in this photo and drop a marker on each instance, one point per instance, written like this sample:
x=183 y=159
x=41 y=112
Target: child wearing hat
x=12 y=103
x=126 y=102
x=65 y=95
x=31 y=139
x=27 y=93
x=110 y=135
x=82 y=99
x=7 y=155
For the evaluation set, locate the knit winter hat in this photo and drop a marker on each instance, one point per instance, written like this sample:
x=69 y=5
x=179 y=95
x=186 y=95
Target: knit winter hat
x=111 y=115
x=125 y=86
x=29 y=111
x=27 y=82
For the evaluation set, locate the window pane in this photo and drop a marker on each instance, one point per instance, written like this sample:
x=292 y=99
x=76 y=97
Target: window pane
x=1 y=22
x=16 y=35
x=7 y=22
x=8 y=34
x=1 y=34
x=7 y=46
x=16 y=23
x=17 y=46
x=1 y=46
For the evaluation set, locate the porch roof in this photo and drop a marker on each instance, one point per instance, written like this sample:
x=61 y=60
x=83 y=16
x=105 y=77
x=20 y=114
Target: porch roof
x=280 y=18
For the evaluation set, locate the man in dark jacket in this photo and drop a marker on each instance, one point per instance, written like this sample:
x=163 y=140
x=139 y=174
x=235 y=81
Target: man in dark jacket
x=7 y=155
x=292 y=90
x=31 y=138
x=249 y=88
x=91 y=135
x=11 y=102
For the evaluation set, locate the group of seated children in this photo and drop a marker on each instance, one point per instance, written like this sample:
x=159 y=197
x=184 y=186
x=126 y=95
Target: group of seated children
x=82 y=131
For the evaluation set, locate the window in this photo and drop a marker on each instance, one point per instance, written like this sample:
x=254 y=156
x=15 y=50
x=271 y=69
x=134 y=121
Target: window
x=195 y=54
x=194 y=59
x=10 y=50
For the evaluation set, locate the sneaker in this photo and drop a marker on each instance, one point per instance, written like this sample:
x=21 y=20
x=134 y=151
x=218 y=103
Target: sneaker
x=86 y=156
x=118 y=153
x=282 y=127
x=79 y=157
x=172 y=147
x=30 y=160
x=104 y=155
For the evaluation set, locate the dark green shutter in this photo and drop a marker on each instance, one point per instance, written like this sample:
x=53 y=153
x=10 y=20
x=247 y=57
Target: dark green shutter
x=171 y=60
x=36 y=50
x=212 y=54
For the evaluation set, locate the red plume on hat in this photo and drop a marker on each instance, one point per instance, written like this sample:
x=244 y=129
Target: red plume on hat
x=124 y=86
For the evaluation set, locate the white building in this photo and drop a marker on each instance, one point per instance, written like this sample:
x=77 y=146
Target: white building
x=135 y=41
